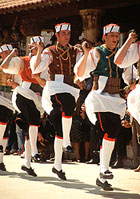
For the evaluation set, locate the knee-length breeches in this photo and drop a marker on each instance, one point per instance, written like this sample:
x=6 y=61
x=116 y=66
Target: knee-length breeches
x=28 y=109
x=5 y=114
x=63 y=105
x=109 y=123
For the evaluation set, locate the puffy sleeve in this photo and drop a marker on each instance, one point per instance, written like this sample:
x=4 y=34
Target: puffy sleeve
x=45 y=61
x=91 y=63
x=14 y=65
x=132 y=55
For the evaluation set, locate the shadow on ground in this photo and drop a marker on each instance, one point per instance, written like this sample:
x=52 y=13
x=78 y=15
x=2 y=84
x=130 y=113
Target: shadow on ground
x=75 y=184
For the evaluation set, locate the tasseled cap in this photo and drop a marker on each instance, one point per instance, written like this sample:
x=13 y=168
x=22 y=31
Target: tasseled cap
x=62 y=26
x=36 y=39
x=5 y=47
x=111 y=28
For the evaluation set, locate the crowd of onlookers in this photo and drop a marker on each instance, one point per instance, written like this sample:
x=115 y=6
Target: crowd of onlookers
x=14 y=37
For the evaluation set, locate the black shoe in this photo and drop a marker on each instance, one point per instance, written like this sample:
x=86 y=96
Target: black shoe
x=30 y=171
x=36 y=158
x=2 y=167
x=1 y=149
x=68 y=149
x=106 y=186
x=106 y=175
x=60 y=173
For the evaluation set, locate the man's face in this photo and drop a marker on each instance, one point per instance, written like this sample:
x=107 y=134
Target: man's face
x=63 y=37
x=4 y=54
x=111 y=40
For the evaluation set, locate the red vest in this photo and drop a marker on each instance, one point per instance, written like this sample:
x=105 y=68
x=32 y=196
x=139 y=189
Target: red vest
x=26 y=74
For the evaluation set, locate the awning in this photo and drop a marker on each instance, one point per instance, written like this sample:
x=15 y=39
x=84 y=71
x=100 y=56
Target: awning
x=18 y=5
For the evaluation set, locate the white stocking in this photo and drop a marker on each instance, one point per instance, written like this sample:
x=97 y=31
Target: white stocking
x=66 y=127
x=58 y=153
x=27 y=160
x=33 y=132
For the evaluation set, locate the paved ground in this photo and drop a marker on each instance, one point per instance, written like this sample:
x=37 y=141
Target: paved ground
x=80 y=184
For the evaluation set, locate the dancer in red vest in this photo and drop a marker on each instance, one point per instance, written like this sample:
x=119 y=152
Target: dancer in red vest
x=27 y=101
x=6 y=107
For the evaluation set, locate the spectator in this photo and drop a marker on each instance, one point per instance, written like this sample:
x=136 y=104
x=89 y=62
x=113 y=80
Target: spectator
x=46 y=136
x=80 y=130
x=6 y=36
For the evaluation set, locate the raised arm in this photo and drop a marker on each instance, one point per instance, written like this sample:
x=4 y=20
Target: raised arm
x=119 y=57
x=82 y=63
x=38 y=55
x=6 y=61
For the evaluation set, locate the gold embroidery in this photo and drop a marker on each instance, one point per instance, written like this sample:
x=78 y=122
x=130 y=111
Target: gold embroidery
x=61 y=57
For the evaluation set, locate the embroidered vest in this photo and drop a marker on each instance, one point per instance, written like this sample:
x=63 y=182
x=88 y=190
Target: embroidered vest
x=63 y=61
x=106 y=66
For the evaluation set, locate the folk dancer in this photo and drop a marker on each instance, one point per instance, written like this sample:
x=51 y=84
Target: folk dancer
x=59 y=94
x=27 y=101
x=103 y=104
x=6 y=107
x=127 y=55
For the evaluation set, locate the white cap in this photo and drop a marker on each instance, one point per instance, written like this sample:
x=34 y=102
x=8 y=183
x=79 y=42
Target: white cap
x=111 y=28
x=62 y=26
x=36 y=39
x=5 y=47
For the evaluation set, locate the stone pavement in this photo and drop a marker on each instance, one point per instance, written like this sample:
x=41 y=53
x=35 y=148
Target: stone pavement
x=80 y=184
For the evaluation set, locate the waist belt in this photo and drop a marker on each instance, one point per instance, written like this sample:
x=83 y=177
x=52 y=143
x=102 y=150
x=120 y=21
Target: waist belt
x=112 y=85
x=5 y=88
x=67 y=79
x=36 y=88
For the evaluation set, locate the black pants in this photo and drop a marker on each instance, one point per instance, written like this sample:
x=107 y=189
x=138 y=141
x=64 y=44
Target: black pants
x=28 y=109
x=5 y=114
x=109 y=123
x=63 y=105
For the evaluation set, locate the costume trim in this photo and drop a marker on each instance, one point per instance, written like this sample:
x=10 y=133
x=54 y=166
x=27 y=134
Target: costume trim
x=34 y=125
x=59 y=137
x=63 y=115
x=107 y=138
x=101 y=125
x=3 y=123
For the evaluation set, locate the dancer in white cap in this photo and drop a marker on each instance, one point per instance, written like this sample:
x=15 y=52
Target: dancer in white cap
x=59 y=94
x=104 y=106
x=127 y=55
x=27 y=100
x=6 y=107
